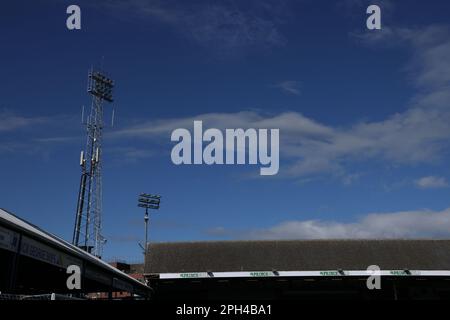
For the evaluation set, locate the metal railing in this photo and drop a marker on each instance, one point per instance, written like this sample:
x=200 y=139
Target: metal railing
x=49 y=296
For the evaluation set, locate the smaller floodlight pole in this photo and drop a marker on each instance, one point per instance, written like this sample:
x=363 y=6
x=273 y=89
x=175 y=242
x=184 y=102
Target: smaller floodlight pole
x=148 y=201
x=146 y=230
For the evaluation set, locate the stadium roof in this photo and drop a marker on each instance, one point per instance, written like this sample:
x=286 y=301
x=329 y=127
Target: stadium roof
x=297 y=255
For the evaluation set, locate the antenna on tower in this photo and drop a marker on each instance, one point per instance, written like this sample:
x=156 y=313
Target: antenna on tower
x=82 y=114
x=88 y=219
x=112 y=118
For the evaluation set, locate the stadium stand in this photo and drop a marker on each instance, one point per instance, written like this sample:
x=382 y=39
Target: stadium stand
x=289 y=269
x=34 y=262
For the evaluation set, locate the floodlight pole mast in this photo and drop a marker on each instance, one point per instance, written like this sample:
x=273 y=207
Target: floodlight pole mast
x=146 y=231
x=88 y=222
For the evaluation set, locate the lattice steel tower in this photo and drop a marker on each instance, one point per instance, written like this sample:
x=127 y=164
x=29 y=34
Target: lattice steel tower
x=88 y=222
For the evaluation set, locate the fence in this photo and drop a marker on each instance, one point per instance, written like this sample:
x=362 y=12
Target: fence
x=49 y=296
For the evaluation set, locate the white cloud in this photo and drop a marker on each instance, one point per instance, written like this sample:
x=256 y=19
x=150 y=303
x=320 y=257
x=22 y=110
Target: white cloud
x=129 y=154
x=429 y=67
x=230 y=27
x=29 y=134
x=222 y=26
x=291 y=87
x=54 y=140
x=431 y=182
x=311 y=148
x=421 y=134
x=405 y=224
x=387 y=5
x=10 y=121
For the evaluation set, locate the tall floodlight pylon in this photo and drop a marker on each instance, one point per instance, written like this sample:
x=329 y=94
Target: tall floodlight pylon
x=88 y=222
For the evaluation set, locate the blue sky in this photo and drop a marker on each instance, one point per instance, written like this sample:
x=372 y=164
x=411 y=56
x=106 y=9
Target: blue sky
x=363 y=116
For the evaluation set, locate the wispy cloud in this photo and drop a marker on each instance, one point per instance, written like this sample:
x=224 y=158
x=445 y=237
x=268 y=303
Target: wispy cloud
x=431 y=182
x=420 y=134
x=227 y=27
x=52 y=140
x=351 y=5
x=404 y=224
x=310 y=148
x=291 y=87
x=10 y=121
x=129 y=154
x=429 y=70
x=30 y=134
x=231 y=27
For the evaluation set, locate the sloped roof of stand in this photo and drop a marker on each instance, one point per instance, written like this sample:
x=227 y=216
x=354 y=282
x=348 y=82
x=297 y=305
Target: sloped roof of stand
x=15 y=223
x=297 y=255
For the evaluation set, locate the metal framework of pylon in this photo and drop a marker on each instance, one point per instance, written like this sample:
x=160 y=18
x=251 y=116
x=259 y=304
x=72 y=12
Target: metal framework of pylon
x=87 y=232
